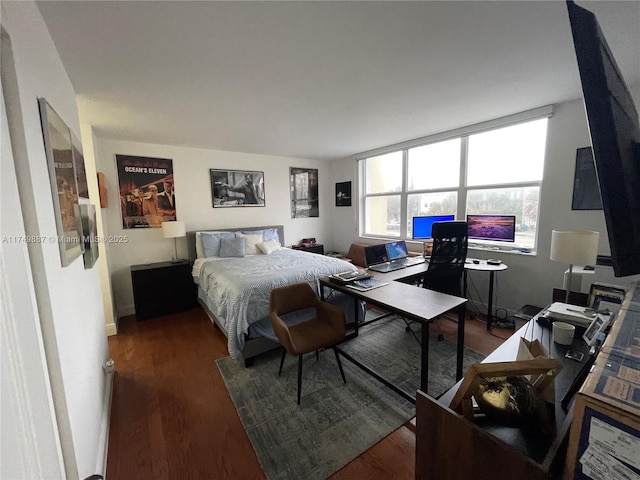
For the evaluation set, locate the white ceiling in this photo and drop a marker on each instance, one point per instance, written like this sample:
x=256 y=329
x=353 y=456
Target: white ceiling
x=320 y=80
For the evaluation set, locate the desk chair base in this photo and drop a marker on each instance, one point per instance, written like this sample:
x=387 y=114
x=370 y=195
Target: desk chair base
x=284 y=354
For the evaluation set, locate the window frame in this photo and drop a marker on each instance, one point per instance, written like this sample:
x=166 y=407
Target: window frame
x=462 y=189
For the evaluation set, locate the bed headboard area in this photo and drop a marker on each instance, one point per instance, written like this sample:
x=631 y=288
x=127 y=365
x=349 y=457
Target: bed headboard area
x=191 y=236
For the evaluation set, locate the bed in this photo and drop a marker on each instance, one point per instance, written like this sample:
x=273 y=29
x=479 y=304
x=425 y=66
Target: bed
x=234 y=284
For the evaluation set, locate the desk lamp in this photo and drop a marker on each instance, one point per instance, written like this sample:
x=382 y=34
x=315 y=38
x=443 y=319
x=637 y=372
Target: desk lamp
x=174 y=230
x=575 y=247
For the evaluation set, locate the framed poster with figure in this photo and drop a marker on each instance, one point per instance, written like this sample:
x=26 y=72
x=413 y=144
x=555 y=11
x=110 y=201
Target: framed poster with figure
x=303 y=183
x=237 y=188
x=62 y=175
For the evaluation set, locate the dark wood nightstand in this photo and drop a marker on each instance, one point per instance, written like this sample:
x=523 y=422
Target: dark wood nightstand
x=162 y=288
x=315 y=248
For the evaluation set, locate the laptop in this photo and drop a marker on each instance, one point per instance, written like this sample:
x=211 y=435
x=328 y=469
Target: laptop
x=397 y=257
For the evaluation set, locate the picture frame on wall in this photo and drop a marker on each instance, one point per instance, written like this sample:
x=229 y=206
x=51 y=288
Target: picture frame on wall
x=303 y=183
x=343 y=194
x=147 y=191
x=90 y=238
x=586 y=193
x=62 y=175
x=237 y=188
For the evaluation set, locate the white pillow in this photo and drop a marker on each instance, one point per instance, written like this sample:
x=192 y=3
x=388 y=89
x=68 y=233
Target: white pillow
x=268 y=247
x=251 y=242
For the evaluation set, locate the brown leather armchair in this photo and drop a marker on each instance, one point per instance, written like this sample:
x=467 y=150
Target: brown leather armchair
x=324 y=330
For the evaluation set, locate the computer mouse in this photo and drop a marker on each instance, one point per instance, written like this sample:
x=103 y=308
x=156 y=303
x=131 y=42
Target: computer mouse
x=476 y=261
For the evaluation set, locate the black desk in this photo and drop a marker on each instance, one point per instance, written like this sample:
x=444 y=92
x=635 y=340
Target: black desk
x=413 y=303
x=540 y=450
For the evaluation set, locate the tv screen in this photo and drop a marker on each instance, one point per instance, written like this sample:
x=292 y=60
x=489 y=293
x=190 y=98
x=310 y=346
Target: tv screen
x=421 y=226
x=615 y=137
x=500 y=228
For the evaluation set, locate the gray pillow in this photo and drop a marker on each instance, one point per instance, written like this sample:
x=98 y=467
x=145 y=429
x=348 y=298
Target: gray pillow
x=211 y=242
x=232 y=247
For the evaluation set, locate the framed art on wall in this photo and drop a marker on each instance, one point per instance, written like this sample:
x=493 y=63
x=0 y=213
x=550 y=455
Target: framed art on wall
x=90 y=234
x=303 y=183
x=586 y=193
x=147 y=191
x=237 y=188
x=59 y=153
x=343 y=194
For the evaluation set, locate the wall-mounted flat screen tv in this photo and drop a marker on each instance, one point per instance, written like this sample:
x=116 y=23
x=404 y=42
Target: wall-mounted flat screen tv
x=497 y=228
x=614 y=128
x=422 y=225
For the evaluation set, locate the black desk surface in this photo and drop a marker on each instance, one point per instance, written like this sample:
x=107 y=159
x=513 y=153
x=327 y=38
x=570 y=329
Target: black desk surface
x=534 y=447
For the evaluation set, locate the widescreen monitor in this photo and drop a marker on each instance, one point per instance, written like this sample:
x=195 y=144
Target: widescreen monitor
x=422 y=225
x=498 y=228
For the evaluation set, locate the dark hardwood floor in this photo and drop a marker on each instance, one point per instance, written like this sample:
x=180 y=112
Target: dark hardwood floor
x=172 y=417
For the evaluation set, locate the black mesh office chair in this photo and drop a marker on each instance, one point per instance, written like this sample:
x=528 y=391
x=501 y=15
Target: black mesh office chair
x=446 y=267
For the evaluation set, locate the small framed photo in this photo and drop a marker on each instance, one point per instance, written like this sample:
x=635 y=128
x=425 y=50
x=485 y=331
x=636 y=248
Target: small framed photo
x=596 y=327
x=237 y=188
x=343 y=194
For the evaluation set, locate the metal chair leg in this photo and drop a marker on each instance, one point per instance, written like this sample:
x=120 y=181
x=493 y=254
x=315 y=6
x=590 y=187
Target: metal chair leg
x=299 y=376
x=284 y=354
x=335 y=351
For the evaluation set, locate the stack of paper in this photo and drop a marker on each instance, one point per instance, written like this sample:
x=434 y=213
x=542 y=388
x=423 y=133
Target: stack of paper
x=579 y=316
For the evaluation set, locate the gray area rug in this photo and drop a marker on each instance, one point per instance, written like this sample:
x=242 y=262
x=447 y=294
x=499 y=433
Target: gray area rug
x=335 y=422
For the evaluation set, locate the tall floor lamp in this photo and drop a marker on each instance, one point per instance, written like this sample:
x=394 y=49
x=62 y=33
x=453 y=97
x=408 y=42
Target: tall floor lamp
x=575 y=247
x=174 y=230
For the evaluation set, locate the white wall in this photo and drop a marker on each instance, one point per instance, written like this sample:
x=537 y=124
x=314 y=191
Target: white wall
x=69 y=300
x=529 y=279
x=194 y=204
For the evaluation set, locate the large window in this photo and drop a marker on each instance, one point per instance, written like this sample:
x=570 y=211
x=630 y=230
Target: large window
x=494 y=171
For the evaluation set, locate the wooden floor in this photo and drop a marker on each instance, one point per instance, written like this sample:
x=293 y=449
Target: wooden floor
x=172 y=417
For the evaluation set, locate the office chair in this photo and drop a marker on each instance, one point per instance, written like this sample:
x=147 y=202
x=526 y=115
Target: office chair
x=446 y=267
x=325 y=329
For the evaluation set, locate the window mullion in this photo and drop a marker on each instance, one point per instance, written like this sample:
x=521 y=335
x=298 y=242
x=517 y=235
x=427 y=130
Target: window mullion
x=462 y=185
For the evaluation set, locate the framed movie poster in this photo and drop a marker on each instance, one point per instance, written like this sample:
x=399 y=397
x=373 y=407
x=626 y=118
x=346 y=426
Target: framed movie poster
x=343 y=194
x=62 y=175
x=303 y=183
x=147 y=192
x=88 y=216
x=586 y=193
x=237 y=188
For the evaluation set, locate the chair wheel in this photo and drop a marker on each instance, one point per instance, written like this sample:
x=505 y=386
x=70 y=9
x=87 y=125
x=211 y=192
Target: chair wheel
x=440 y=337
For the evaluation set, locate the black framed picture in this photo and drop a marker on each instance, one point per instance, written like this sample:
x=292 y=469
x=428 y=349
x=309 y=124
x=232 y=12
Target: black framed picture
x=343 y=194
x=304 y=192
x=237 y=188
x=586 y=193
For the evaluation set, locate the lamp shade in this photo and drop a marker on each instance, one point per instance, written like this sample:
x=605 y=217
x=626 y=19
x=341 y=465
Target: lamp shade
x=173 y=229
x=576 y=247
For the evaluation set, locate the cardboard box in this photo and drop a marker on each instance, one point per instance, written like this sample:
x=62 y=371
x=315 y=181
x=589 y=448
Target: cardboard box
x=604 y=441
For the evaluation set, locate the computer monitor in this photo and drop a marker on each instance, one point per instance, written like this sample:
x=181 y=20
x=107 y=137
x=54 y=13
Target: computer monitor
x=374 y=254
x=422 y=225
x=499 y=228
x=614 y=128
x=397 y=250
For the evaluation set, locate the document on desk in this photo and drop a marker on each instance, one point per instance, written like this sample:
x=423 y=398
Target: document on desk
x=573 y=314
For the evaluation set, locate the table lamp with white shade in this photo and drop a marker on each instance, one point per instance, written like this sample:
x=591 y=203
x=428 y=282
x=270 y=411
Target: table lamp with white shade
x=174 y=230
x=575 y=247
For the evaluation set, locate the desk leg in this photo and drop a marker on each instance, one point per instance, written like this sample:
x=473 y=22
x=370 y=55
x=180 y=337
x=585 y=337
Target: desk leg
x=424 y=358
x=490 y=309
x=460 y=353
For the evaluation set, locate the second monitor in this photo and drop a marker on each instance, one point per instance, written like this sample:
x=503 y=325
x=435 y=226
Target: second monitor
x=422 y=225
